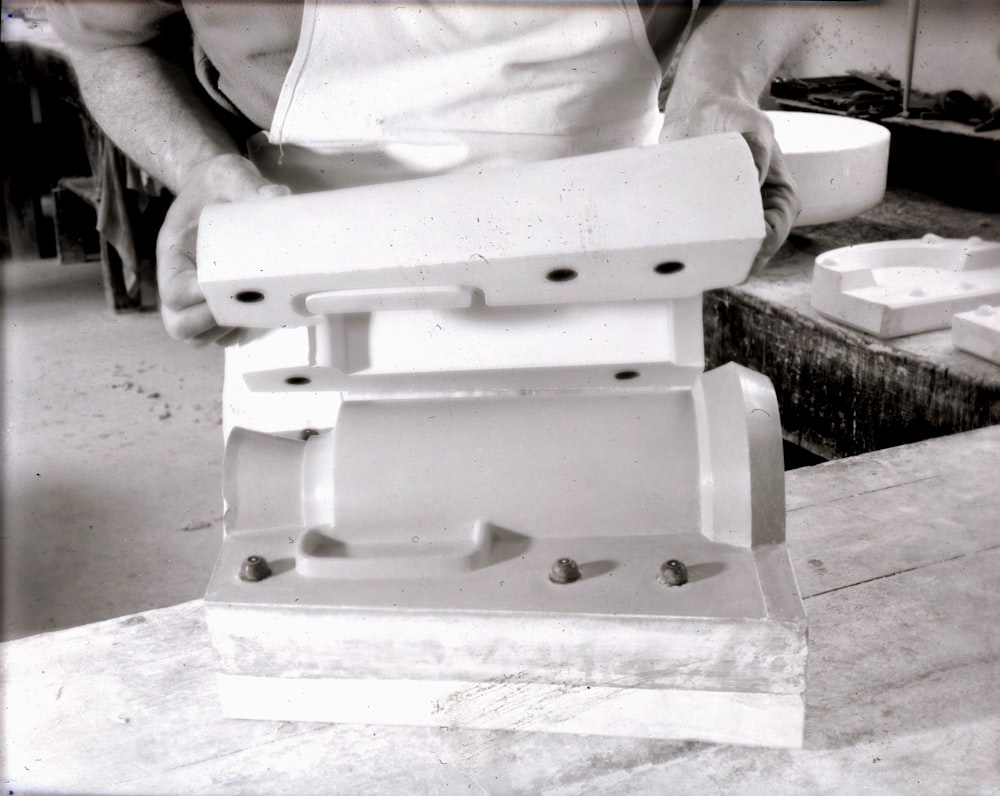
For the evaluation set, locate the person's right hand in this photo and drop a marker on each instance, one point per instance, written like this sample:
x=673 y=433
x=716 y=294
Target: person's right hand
x=223 y=178
x=722 y=114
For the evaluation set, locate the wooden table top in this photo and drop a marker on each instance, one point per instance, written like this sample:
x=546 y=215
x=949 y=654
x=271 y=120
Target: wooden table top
x=898 y=557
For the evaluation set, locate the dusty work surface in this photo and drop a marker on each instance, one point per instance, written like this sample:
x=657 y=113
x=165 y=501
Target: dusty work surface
x=842 y=392
x=898 y=557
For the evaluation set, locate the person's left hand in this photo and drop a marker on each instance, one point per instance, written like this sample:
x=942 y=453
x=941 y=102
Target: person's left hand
x=777 y=188
x=222 y=178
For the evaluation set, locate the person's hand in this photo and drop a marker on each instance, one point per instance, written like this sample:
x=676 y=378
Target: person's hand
x=223 y=178
x=723 y=115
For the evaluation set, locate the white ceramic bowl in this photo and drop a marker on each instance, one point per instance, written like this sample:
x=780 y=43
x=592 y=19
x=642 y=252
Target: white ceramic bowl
x=839 y=163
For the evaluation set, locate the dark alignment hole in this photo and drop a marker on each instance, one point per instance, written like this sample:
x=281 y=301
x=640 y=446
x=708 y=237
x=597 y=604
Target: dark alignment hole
x=671 y=267
x=625 y=375
x=561 y=275
x=249 y=296
x=297 y=381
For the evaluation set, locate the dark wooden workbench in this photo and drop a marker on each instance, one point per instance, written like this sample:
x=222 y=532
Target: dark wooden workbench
x=843 y=392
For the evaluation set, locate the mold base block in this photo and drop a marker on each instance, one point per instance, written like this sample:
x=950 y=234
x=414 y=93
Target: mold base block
x=657 y=676
x=657 y=671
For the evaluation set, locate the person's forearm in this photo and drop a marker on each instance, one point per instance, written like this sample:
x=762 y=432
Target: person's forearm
x=735 y=52
x=150 y=110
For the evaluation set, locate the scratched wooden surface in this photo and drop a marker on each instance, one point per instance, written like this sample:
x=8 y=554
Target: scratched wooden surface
x=843 y=392
x=898 y=557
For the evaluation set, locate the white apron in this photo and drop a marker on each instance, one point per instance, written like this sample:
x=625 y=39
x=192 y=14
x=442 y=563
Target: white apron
x=390 y=90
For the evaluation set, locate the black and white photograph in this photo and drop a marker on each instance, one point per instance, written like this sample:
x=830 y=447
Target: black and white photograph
x=500 y=397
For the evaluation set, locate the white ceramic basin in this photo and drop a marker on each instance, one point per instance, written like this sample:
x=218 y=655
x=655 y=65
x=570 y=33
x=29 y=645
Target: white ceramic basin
x=839 y=163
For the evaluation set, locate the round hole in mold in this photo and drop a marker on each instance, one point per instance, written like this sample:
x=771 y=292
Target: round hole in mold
x=626 y=375
x=249 y=296
x=298 y=381
x=561 y=275
x=669 y=267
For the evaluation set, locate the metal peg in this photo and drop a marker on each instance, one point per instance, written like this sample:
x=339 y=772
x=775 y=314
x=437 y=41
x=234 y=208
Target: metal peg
x=673 y=573
x=565 y=570
x=254 y=568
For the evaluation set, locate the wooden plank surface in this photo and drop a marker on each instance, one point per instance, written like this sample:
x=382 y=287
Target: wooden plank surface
x=898 y=557
x=842 y=392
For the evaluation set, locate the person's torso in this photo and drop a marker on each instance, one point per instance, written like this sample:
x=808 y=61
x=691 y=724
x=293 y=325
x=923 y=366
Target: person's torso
x=249 y=46
x=435 y=86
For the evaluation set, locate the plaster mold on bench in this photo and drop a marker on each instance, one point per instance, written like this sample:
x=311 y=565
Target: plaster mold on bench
x=895 y=288
x=978 y=332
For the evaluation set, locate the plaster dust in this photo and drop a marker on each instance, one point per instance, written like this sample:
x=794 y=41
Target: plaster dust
x=111 y=455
